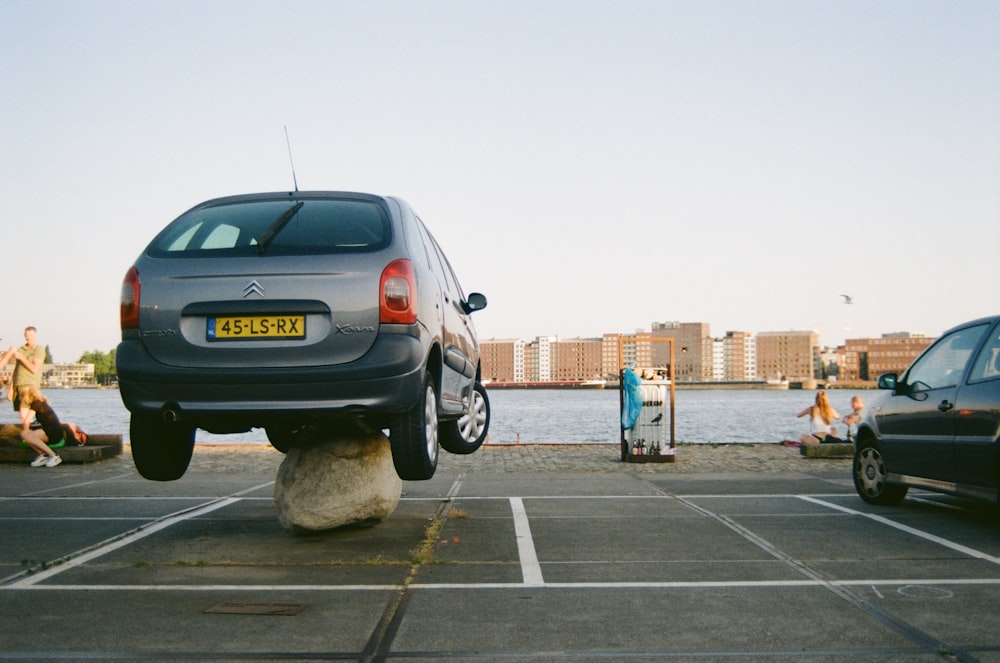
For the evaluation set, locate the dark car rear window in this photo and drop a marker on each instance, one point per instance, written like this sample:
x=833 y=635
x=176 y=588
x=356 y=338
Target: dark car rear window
x=280 y=227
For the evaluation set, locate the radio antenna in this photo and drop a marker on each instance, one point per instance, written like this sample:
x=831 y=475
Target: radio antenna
x=295 y=181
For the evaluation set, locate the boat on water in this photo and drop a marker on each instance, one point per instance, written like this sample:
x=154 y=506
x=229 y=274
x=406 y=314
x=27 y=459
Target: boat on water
x=546 y=384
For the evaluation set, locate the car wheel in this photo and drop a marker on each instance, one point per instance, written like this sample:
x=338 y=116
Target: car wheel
x=870 y=477
x=467 y=434
x=160 y=451
x=414 y=438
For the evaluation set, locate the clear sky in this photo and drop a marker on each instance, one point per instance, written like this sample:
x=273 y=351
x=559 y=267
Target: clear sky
x=591 y=166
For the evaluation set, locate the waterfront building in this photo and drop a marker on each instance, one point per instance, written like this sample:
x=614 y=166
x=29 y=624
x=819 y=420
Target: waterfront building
x=578 y=359
x=788 y=355
x=739 y=357
x=58 y=376
x=868 y=358
x=693 y=351
x=636 y=348
x=502 y=360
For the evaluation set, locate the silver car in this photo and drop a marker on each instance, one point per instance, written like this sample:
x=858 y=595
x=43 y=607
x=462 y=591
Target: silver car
x=306 y=314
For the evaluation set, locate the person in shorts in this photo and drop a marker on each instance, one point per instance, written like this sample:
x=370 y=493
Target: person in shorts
x=27 y=371
x=52 y=431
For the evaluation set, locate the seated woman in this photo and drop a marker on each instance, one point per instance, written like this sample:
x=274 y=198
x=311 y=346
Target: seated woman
x=821 y=419
x=52 y=430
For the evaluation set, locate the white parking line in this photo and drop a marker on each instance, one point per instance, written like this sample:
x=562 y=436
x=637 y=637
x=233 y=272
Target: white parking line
x=927 y=536
x=128 y=539
x=530 y=569
x=678 y=584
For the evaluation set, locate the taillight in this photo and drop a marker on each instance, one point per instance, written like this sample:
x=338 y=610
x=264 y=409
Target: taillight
x=398 y=294
x=129 y=313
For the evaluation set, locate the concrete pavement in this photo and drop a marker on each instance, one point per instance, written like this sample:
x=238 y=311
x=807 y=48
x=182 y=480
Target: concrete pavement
x=528 y=553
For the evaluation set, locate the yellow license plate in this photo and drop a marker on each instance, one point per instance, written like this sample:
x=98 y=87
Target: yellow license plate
x=250 y=327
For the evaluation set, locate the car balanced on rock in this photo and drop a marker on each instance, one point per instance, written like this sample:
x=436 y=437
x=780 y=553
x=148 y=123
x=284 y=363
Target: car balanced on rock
x=299 y=312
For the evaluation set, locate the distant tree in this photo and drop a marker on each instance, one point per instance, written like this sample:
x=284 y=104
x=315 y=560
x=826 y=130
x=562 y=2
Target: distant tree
x=104 y=365
x=48 y=356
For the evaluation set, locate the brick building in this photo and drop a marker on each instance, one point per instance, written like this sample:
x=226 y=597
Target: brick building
x=789 y=355
x=868 y=358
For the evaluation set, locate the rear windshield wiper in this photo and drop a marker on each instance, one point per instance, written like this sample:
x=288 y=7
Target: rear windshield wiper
x=272 y=231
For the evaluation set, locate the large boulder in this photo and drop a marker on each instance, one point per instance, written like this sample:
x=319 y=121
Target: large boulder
x=343 y=481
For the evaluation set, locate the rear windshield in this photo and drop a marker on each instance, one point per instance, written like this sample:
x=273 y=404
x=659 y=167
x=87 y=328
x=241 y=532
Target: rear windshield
x=280 y=227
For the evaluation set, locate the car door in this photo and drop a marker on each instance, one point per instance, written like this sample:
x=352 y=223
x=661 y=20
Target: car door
x=977 y=418
x=458 y=348
x=917 y=421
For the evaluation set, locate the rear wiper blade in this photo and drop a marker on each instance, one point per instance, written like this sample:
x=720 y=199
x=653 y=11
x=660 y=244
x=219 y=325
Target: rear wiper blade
x=272 y=231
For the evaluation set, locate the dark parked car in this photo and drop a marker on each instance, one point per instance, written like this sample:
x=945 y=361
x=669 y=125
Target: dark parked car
x=938 y=427
x=299 y=313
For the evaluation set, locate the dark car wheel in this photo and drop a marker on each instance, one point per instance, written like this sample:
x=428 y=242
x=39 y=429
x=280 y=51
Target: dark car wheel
x=870 y=477
x=414 y=438
x=467 y=434
x=160 y=451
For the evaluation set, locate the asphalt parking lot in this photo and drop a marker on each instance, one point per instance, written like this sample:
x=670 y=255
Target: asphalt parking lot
x=479 y=564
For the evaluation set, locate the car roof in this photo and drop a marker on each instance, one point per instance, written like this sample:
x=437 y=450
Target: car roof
x=990 y=319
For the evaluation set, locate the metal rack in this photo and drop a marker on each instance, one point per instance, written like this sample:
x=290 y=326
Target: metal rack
x=651 y=438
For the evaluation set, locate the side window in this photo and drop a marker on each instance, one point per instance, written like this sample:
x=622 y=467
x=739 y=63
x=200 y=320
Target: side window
x=426 y=244
x=943 y=364
x=987 y=364
x=449 y=275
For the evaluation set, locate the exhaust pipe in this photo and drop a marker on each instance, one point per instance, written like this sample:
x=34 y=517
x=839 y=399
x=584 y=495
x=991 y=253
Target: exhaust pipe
x=171 y=416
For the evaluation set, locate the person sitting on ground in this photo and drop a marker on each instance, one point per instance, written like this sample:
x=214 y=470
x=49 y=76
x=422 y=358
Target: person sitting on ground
x=854 y=418
x=52 y=430
x=821 y=419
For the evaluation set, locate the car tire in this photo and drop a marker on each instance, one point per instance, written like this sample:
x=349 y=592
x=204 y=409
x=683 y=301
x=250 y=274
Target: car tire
x=466 y=434
x=870 y=476
x=161 y=451
x=414 y=437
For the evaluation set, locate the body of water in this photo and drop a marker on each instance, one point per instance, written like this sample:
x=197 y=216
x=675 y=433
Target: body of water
x=536 y=416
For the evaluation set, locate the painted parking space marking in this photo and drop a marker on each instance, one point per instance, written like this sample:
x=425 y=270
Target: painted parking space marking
x=927 y=536
x=531 y=571
x=530 y=565
x=123 y=541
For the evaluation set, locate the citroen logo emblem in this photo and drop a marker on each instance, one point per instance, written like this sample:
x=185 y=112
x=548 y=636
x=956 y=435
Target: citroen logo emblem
x=253 y=288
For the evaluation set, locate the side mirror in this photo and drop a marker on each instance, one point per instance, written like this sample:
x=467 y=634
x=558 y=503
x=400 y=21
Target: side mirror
x=475 y=302
x=888 y=381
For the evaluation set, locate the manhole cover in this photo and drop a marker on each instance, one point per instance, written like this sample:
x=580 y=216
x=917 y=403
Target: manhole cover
x=280 y=609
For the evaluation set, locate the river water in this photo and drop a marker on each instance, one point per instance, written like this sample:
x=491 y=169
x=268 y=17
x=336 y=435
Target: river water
x=536 y=416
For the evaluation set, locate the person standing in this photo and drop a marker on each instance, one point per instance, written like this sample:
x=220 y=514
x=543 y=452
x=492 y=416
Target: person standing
x=27 y=371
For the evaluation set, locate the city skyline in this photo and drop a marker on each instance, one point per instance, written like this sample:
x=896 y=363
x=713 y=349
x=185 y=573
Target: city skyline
x=584 y=165
x=714 y=335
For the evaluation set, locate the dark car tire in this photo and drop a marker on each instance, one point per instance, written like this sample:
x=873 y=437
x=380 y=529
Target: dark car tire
x=414 y=437
x=870 y=476
x=160 y=451
x=466 y=434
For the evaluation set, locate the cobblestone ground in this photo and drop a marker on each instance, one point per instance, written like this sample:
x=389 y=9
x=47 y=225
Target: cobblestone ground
x=690 y=459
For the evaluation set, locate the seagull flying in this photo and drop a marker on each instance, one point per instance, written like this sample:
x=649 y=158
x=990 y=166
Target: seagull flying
x=848 y=299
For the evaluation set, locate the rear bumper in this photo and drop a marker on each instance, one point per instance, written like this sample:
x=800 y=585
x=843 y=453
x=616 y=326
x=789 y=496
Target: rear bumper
x=385 y=382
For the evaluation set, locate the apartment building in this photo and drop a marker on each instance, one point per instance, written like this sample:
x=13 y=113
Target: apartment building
x=693 y=351
x=868 y=358
x=578 y=359
x=788 y=355
x=739 y=357
x=502 y=360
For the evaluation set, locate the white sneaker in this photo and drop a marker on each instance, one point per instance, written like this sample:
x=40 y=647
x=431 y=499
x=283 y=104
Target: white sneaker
x=40 y=460
x=53 y=461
